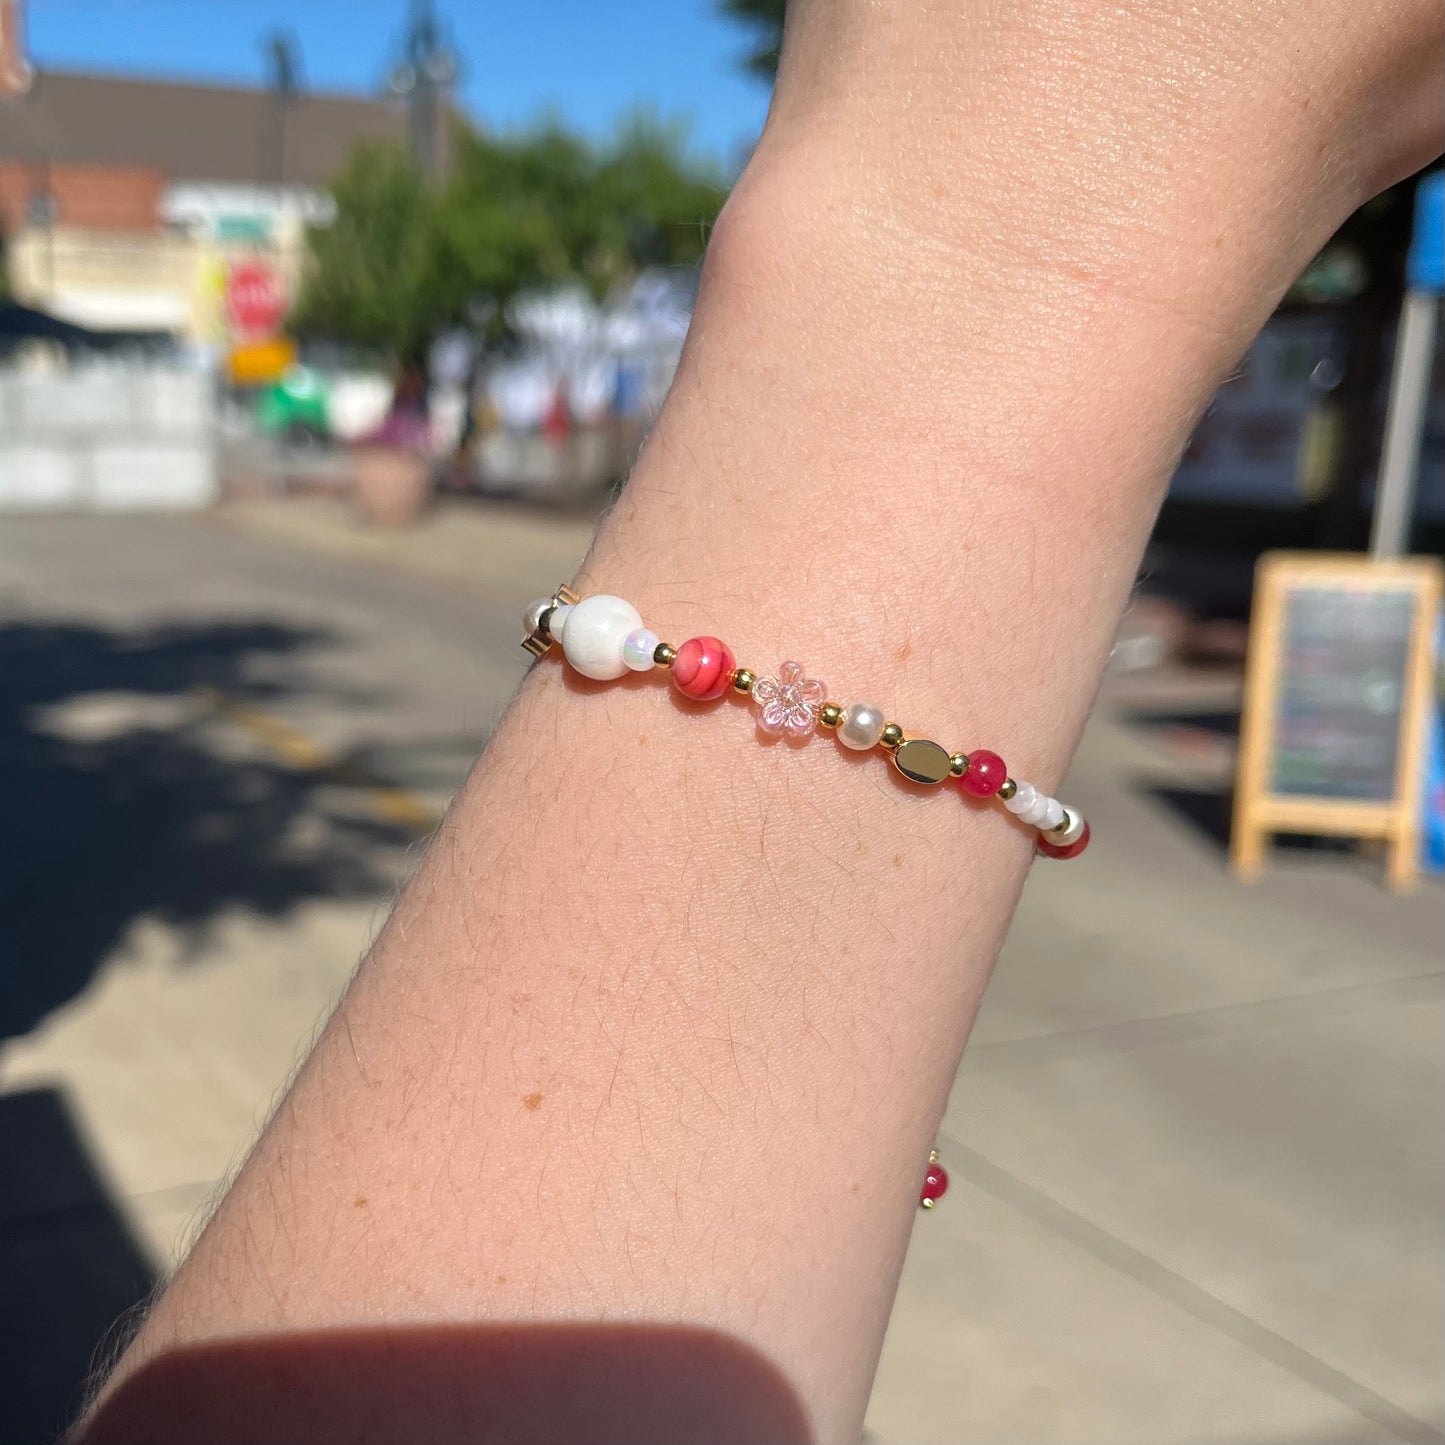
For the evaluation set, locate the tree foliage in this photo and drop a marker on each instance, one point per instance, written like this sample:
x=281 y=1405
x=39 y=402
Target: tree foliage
x=764 y=18
x=402 y=261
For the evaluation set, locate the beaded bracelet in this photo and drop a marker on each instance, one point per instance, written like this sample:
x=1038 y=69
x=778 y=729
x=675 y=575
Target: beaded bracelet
x=603 y=637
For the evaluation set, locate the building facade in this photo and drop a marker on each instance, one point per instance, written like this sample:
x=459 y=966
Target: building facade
x=125 y=203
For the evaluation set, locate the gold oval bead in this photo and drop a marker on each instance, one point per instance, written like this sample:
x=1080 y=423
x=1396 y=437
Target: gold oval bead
x=892 y=736
x=664 y=655
x=921 y=760
x=830 y=714
x=743 y=681
x=1007 y=789
x=958 y=764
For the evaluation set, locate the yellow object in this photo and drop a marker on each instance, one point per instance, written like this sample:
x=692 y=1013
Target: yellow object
x=257 y=362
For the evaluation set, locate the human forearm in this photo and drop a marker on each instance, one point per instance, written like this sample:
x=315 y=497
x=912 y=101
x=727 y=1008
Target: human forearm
x=662 y=1030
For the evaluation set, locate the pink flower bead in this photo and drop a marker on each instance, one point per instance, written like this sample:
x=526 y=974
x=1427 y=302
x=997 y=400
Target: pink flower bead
x=985 y=774
x=790 y=702
x=703 y=668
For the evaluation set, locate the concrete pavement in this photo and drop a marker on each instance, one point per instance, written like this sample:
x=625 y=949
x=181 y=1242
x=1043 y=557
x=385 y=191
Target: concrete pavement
x=1196 y=1143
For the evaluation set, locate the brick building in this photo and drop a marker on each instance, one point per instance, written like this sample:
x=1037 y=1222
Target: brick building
x=124 y=201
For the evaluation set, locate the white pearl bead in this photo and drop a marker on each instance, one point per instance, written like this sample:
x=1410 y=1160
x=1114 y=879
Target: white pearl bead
x=594 y=633
x=557 y=621
x=862 y=726
x=638 y=647
x=532 y=617
x=1023 y=799
x=1053 y=813
x=1073 y=832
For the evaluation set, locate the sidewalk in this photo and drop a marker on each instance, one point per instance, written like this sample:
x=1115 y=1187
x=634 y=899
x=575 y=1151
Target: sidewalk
x=494 y=550
x=1196 y=1143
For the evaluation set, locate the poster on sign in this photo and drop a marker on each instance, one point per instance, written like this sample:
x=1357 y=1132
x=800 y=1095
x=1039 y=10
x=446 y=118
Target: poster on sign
x=1337 y=704
x=255 y=301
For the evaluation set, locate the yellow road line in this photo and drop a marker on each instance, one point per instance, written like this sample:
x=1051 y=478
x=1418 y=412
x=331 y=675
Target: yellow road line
x=303 y=753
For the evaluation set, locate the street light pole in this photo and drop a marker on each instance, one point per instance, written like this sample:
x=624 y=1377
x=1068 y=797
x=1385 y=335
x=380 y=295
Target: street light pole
x=1410 y=384
x=425 y=76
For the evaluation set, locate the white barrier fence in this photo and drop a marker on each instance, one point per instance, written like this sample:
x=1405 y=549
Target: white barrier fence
x=104 y=440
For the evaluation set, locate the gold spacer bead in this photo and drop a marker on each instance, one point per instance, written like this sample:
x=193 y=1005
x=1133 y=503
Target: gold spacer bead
x=1007 y=789
x=743 y=681
x=1065 y=825
x=536 y=645
x=664 y=654
x=567 y=595
x=933 y=1156
x=958 y=765
x=926 y=1203
x=892 y=736
x=830 y=714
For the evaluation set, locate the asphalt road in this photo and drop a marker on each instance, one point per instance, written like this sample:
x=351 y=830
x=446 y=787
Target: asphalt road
x=1196 y=1142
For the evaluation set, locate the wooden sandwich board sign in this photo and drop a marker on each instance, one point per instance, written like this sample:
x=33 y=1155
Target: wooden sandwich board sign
x=1336 y=703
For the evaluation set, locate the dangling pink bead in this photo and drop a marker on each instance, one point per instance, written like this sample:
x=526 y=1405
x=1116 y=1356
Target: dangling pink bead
x=985 y=774
x=703 y=668
x=1064 y=850
x=935 y=1184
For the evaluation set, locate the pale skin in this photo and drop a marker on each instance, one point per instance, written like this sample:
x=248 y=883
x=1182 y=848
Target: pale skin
x=661 y=1032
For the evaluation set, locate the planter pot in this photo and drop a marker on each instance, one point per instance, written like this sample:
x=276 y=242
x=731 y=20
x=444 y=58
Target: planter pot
x=393 y=484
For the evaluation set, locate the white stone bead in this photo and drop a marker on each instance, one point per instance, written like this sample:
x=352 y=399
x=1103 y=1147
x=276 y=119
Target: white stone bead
x=1073 y=832
x=532 y=617
x=557 y=621
x=638 y=647
x=1053 y=813
x=862 y=726
x=1023 y=799
x=594 y=632
x=1036 y=812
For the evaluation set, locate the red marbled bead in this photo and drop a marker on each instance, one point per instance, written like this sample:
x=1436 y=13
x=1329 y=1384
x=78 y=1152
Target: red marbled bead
x=985 y=774
x=935 y=1183
x=1064 y=850
x=703 y=668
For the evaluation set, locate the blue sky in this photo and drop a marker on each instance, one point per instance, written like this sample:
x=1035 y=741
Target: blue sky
x=588 y=61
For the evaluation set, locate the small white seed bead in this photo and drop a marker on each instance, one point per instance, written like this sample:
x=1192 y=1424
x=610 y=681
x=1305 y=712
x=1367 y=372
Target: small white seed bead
x=1035 y=814
x=862 y=726
x=1053 y=813
x=557 y=621
x=638 y=648
x=1023 y=799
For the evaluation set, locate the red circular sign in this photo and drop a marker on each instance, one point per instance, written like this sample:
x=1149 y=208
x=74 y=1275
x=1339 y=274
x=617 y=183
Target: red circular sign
x=253 y=299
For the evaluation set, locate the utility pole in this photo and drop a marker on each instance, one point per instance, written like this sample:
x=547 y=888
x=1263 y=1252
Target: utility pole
x=425 y=76
x=284 y=65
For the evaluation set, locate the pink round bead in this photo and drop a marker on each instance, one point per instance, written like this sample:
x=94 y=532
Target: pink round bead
x=1064 y=850
x=703 y=668
x=935 y=1184
x=985 y=774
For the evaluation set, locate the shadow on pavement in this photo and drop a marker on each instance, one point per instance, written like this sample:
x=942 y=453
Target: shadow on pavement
x=1205 y=736
x=130 y=813
x=69 y=1270
x=123 y=800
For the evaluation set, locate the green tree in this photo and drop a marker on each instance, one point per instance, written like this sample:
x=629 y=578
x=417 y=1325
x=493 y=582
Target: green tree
x=375 y=275
x=764 y=18
x=403 y=261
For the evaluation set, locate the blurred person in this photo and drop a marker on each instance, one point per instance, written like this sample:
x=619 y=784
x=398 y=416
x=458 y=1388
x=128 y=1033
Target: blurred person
x=617 y=1133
